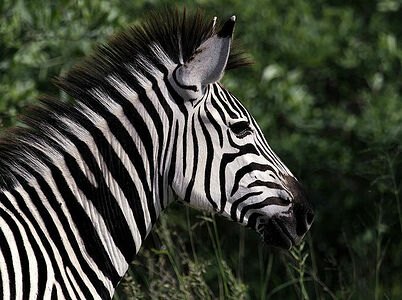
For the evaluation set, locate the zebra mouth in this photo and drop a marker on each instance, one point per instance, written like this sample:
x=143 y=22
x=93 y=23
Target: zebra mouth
x=275 y=234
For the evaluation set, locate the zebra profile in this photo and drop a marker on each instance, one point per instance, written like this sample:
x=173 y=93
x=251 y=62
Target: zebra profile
x=83 y=183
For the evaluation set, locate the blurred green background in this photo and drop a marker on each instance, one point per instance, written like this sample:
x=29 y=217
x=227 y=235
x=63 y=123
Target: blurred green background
x=326 y=90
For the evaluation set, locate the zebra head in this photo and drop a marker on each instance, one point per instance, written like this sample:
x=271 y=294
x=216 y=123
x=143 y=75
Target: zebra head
x=223 y=163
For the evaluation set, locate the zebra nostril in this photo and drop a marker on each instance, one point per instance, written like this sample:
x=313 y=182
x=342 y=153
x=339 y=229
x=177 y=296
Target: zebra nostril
x=309 y=218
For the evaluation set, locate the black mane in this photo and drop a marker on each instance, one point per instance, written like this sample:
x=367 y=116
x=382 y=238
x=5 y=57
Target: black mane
x=167 y=29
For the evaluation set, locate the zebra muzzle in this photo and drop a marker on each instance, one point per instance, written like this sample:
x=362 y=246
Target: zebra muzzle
x=276 y=233
x=284 y=232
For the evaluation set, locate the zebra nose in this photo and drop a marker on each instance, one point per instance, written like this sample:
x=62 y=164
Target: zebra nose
x=304 y=215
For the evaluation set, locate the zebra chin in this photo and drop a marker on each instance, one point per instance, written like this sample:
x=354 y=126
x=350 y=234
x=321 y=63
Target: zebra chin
x=279 y=232
x=285 y=231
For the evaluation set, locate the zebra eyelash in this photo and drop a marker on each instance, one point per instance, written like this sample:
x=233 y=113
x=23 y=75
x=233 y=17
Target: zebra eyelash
x=241 y=129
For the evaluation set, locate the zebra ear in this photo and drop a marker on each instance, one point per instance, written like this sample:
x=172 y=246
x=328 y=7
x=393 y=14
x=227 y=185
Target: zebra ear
x=208 y=62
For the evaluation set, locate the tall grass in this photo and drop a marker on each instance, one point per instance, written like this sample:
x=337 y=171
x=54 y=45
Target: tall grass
x=170 y=270
x=177 y=264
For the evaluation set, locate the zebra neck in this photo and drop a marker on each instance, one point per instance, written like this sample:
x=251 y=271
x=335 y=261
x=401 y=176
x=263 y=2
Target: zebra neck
x=89 y=190
x=119 y=170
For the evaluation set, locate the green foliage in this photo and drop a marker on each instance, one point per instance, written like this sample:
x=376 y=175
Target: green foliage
x=170 y=272
x=326 y=90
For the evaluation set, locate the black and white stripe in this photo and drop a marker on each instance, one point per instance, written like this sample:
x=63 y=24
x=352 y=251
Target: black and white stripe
x=84 y=183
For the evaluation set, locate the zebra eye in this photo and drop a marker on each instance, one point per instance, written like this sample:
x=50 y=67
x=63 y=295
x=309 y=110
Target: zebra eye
x=240 y=129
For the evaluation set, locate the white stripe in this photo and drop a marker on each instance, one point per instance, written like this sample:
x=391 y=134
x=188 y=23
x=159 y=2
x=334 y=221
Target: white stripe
x=56 y=254
x=4 y=277
x=15 y=258
x=50 y=181
x=163 y=89
x=270 y=210
x=131 y=95
x=64 y=238
x=59 y=291
x=56 y=158
x=160 y=54
x=117 y=110
x=32 y=262
x=156 y=102
x=49 y=269
x=112 y=184
x=55 y=155
x=116 y=257
x=76 y=286
x=101 y=123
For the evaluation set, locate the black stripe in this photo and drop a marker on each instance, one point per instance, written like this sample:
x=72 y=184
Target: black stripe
x=157 y=121
x=55 y=236
x=46 y=244
x=268 y=201
x=117 y=170
x=168 y=111
x=236 y=103
x=265 y=149
x=137 y=122
x=268 y=184
x=208 y=166
x=21 y=251
x=195 y=162
x=93 y=244
x=227 y=158
x=246 y=170
x=54 y=293
x=172 y=168
x=185 y=130
x=161 y=97
x=104 y=202
x=222 y=101
x=180 y=104
x=217 y=107
x=126 y=141
x=42 y=272
x=1 y=280
x=119 y=173
x=50 y=227
x=162 y=164
x=45 y=188
x=214 y=123
x=236 y=203
x=265 y=154
x=6 y=251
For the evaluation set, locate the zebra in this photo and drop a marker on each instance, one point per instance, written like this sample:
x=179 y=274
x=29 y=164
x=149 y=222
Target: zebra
x=82 y=183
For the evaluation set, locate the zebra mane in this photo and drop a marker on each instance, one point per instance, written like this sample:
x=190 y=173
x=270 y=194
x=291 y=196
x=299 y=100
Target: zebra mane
x=175 y=33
